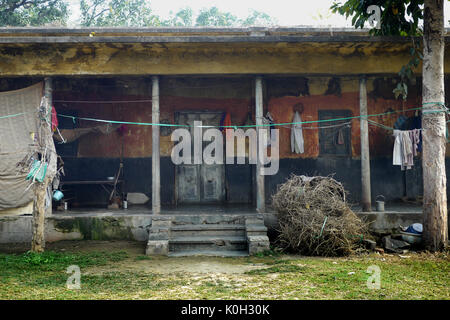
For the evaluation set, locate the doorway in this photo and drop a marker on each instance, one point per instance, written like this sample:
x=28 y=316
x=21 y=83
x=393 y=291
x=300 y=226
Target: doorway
x=199 y=183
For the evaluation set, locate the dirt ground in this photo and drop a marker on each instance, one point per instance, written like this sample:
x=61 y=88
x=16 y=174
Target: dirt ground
x=415 y=275
x=136 y=250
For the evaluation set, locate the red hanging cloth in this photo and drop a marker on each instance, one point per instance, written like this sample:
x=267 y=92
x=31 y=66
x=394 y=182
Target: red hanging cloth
x=54 y=119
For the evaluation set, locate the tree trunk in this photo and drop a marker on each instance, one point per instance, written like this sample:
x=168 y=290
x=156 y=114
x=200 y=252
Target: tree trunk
x=47 y=150
x=38 y=241
x=435 y=228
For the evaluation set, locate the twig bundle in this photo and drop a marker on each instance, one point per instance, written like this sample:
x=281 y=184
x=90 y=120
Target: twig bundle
x=315 y=218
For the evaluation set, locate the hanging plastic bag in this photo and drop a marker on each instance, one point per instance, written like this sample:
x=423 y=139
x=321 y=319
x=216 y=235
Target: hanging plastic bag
x=37 y=171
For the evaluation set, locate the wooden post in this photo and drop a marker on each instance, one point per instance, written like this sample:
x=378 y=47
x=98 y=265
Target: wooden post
x=47 y=148
x=260 y=196
x=48 y=93
x=156 y=174
x=365 y=154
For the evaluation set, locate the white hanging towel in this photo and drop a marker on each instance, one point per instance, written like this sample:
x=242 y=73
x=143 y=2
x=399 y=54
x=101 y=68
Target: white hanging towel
x=297 y=135
x=397 y=153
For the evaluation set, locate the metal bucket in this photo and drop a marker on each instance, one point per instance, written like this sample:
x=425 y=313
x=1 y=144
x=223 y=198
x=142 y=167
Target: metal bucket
x=380 y=203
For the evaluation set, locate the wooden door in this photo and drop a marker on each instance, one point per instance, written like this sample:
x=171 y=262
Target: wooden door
x=199 y=183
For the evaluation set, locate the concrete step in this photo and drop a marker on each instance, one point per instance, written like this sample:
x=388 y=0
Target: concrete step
x=207 y=219
x=256 y=230
x=208 y=235
x=208 y=230
x=257 y=219
x=209 y=253
x=207 y=243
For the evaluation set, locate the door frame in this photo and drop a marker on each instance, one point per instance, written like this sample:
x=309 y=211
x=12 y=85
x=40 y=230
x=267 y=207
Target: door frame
x=223 y=174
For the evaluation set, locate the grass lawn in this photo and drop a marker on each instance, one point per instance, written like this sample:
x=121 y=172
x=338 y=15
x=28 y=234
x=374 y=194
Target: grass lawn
x=121 y=271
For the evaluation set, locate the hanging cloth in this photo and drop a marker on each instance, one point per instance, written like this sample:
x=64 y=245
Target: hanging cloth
x=405 y=148
x=269 y=125
x=54 y=119
x=297 y=135
x=415 y=139
x=417 y=124
x=225 y=122
x=340 y=137
x=397 y=153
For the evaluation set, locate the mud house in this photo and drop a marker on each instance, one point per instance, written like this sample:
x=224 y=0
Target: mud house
x=222 y=77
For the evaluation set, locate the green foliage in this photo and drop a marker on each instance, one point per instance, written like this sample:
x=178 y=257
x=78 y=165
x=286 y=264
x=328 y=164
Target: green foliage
x=54 y=261
x=273 y=252
x=121 y=13
x=398 y=18
x=213 y=17
x=38 y=258
x=406 y=73
x=283 y=268
x=138 y=13
x=142 y=257
x=32 y=12
x=257 y=18
x=183 y=18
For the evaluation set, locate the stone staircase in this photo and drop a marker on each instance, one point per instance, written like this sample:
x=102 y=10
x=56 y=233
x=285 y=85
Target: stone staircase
x=207 y=235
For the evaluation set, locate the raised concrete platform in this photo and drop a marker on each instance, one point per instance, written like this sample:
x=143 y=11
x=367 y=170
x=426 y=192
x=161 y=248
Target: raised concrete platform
x=395 y=215
x=136 y=222
x=78 y=227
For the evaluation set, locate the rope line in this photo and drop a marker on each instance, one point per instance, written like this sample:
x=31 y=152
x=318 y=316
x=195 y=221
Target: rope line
x=102 y=101
x=238 y=126
x=12 y=115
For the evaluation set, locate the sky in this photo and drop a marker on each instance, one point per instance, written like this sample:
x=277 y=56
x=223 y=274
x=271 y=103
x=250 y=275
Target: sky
x=286 y=12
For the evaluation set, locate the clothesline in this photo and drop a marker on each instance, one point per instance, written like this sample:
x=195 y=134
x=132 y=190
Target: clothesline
x=326 y=127
x=310 y=127
x=236 y=126
x=386 y=127
x=102 y=101
x=380 y=125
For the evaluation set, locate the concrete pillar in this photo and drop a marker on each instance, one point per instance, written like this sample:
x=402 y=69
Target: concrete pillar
x=365 y=155
x=260 y=196
x=156 y=173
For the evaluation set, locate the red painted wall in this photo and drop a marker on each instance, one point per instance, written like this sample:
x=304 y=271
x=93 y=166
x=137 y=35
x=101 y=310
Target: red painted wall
x=136 y=140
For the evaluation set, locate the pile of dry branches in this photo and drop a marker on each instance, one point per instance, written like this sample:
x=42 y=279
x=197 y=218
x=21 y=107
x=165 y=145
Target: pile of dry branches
x=315 y=218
